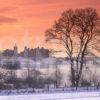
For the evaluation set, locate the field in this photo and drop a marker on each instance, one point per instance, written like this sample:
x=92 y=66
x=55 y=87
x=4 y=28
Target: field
x=55 y=96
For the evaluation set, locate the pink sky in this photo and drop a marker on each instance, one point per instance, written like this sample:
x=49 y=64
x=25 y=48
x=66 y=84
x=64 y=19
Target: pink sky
x=22 y=20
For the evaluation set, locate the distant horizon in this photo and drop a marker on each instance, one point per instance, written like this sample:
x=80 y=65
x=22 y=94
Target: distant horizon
x=24 y=48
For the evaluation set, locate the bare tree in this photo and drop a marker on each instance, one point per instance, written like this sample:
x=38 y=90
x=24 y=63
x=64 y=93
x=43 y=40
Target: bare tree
x=76 y=31
x=61 y=32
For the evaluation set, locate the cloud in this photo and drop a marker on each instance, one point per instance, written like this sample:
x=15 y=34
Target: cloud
x=7 y=9
x=7 y=19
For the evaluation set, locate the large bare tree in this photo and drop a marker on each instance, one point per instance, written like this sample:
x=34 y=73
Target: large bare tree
x=75 y=30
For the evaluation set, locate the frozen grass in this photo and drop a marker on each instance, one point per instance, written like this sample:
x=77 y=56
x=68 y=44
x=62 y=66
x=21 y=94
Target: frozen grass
x=55 y=96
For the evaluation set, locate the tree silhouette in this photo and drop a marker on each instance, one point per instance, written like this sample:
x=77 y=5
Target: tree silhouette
x=76 y=31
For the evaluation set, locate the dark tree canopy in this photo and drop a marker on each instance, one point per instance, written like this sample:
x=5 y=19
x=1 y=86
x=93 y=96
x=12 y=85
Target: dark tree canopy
x=12 y=65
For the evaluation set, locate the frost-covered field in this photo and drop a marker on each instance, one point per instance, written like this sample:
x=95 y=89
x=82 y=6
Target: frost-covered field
x=55 y=96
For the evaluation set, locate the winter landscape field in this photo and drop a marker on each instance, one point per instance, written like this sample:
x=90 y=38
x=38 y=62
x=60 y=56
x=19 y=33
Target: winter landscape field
x=55 y=96
x=49 y=49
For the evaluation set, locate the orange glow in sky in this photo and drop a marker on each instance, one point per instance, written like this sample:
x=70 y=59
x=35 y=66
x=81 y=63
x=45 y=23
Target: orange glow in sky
x=23 y=22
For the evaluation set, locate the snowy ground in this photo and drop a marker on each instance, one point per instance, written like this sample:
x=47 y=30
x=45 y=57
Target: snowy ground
x=55 y=96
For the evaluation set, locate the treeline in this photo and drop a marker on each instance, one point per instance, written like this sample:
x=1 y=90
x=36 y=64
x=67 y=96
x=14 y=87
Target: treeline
x=31 y=78
x=34 y=78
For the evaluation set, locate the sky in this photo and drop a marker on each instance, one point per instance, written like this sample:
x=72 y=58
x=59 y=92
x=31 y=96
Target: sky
x=23 y=22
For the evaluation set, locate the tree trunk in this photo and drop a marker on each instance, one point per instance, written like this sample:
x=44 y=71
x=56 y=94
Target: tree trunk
x=72 y=74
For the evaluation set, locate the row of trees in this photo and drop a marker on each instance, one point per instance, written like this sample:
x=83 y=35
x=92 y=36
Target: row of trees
x=78 y=32
x=32 y=78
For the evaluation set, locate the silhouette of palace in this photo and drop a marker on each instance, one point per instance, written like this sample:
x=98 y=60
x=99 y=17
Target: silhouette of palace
x=35 y=53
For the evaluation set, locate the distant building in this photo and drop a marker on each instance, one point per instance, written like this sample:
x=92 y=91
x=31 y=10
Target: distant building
x=33 y=53
x=36 y=53
x=25 y=52
x=15 y=51
x=8 y=53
